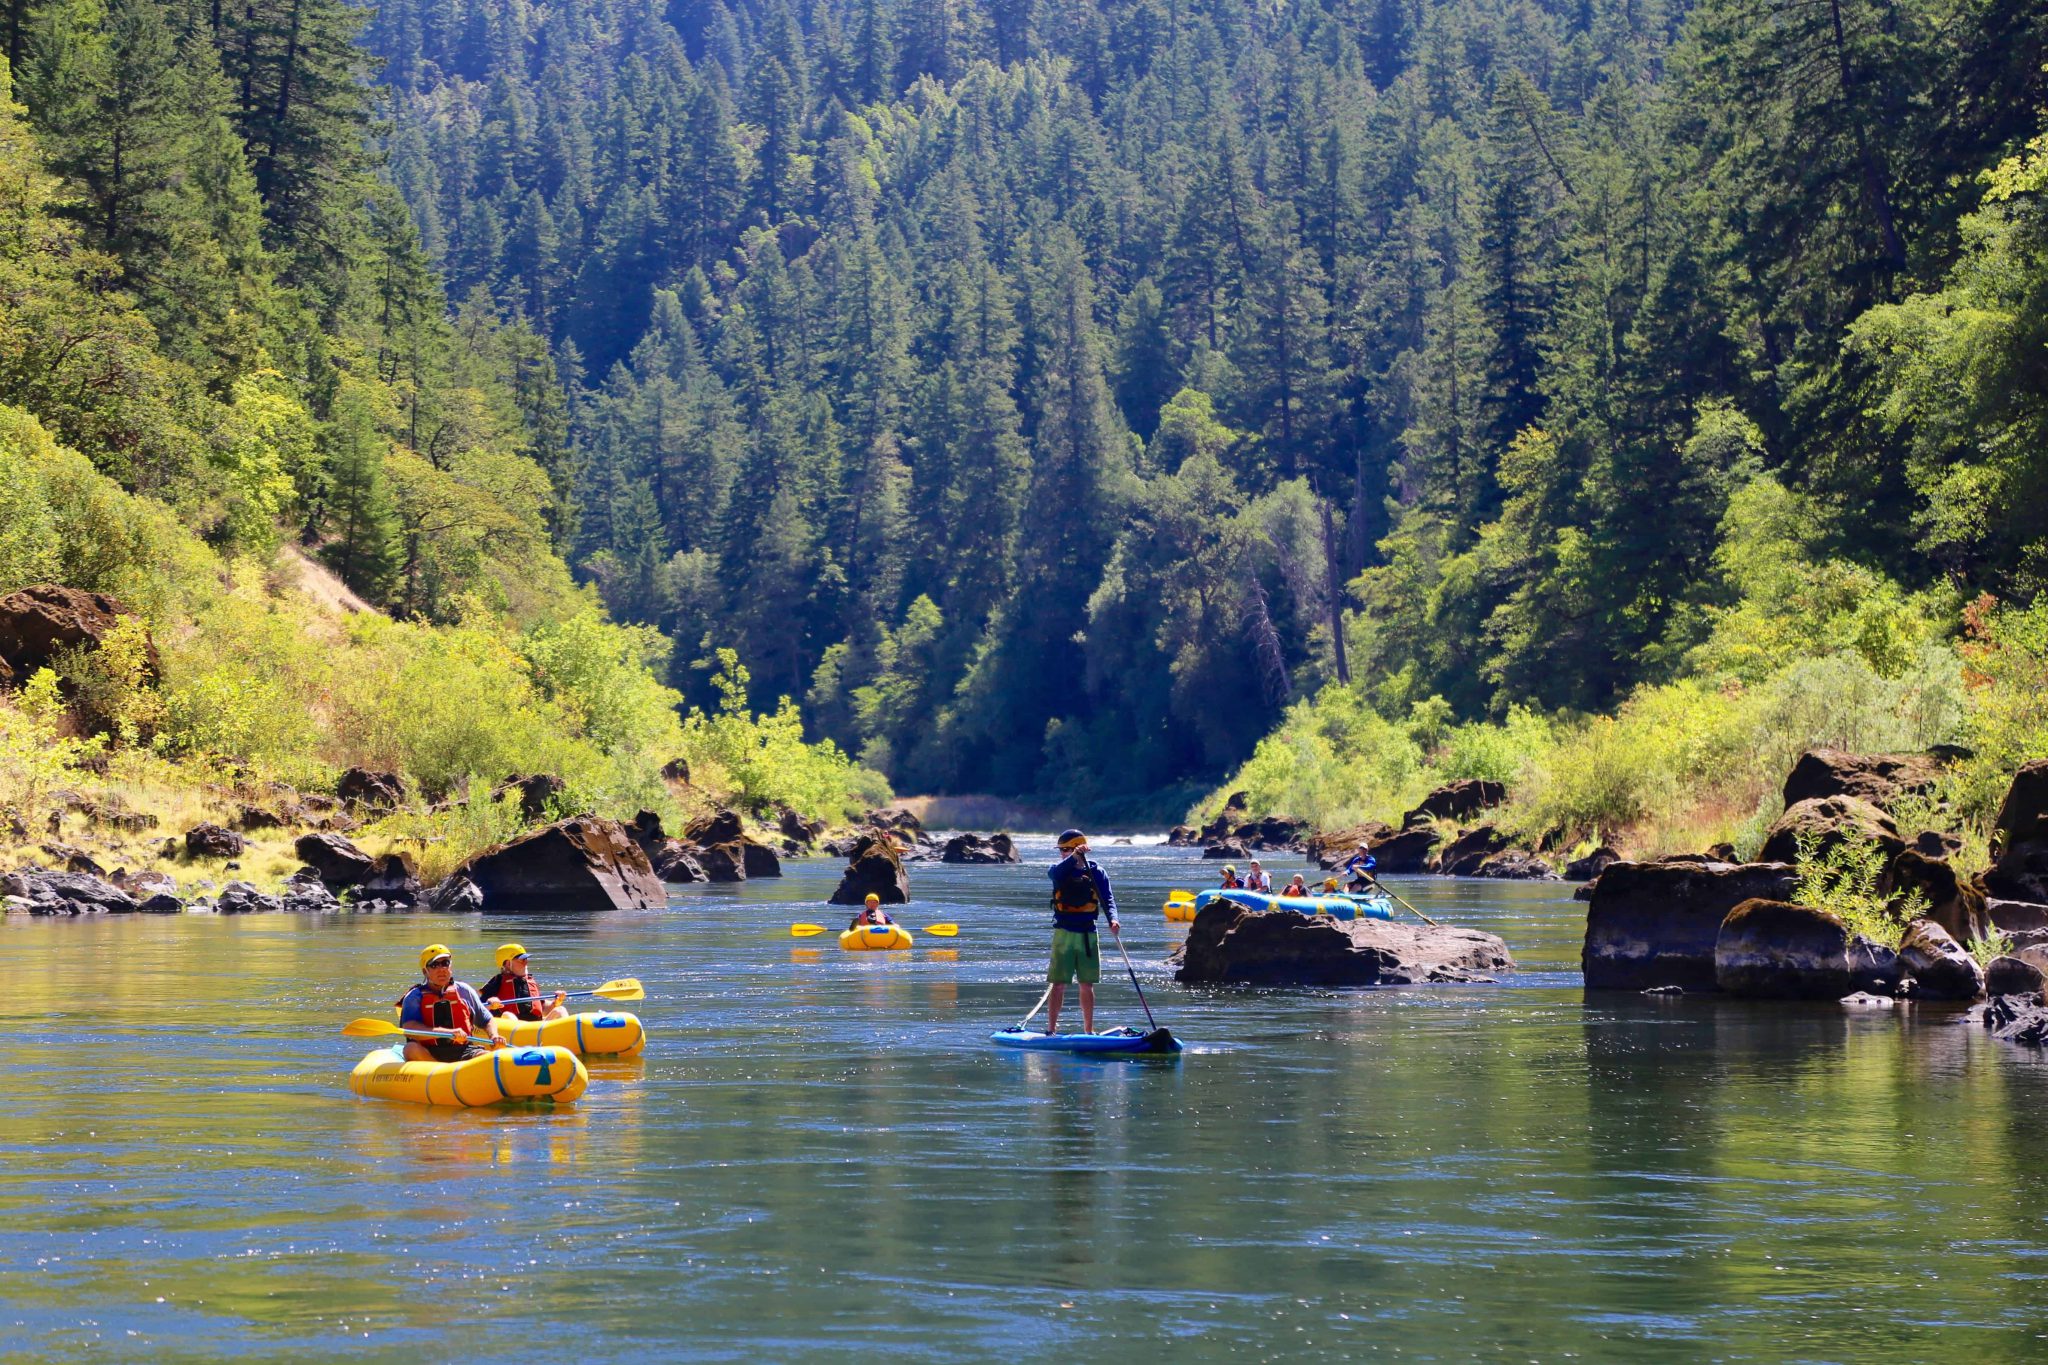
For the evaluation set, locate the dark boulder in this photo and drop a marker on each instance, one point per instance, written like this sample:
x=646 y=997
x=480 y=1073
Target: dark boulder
x=1934 y=844
x=1515 y=865
x=338 y=862
x=456 y=895
x=43 y=620
x=1656 y=924
x=69 y=859
x=1940 y=969
x=1462 y=856
x=2016 y=916
x=1592 y=865
x=371 y=790
x=2019 y=838
x=537 y=792
x=251 y=818
x=1954 y=903
x=1780 y=951
x=677 y=770
x=393 y=878
x=1229 y=848
x=797 y=829
x=240 y=898
x=722 y=827
x=1274 y=832
x=1826 y=821
x=1227 y=943
x=1721 y=853
x=212 y=841
x=145 y=883
x=759 y=860
x=1406 y=850
x=2020 y=1018
x=72 y=893
x=585 y=863
x=162 y=903
x=1458 y=800
x=1183 y=836
x=2013 y=976
x=676 y=861
x=980 y=849
x=874 y=867
x=1879 y=779
x=723 y=862
x=306 y=894
x=896 y=819
x=647 y=832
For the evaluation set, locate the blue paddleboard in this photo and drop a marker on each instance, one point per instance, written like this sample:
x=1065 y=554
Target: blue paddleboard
x=1116 y=1040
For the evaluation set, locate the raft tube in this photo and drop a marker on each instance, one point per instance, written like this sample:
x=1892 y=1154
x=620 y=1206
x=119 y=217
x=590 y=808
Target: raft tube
x=605 y=1034
x=1116 y=1040
x=1180 y=910
x=1337 y=907
x=871 y=938
x=509 y=1073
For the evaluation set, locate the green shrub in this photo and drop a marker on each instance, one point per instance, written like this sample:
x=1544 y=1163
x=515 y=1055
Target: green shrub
x=1843 y=878
x=762 y=760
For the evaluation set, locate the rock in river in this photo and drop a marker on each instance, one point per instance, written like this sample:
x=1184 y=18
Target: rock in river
x=876 y=867
x=977 y=848
x=586 y=863
x=1656 y=924
x=1228 y=943
x=1777 y=950
x=1940 y=969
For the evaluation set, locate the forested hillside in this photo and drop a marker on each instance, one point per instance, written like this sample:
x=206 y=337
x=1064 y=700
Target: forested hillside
x=1033 y=386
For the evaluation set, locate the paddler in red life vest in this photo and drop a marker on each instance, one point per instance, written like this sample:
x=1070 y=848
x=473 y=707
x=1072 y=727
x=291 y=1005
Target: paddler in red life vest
x=442 y=1002
x=514 y=982
x=1080 y=891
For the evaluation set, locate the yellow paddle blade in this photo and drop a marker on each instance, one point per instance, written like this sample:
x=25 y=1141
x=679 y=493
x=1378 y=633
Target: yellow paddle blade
x=625 y=988
x=1179 y=895
x=943 y=930
x=370 y=1028
x=805 y=930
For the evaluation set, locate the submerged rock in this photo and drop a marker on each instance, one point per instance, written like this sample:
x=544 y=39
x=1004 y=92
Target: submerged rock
x=1656 y=924
x=1228 y=943
x=585 y=863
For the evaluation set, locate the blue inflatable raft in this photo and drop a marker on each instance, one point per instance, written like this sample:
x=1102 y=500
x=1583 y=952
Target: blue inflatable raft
x=1337 y=907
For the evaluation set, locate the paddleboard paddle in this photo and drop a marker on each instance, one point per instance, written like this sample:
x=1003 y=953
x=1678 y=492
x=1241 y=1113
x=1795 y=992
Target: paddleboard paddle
x=1160 y=1039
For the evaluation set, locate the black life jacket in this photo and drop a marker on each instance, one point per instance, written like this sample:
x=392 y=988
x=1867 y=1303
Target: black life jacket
x=1074 y=894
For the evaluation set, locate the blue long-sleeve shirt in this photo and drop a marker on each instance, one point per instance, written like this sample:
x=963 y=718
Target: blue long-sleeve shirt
x=1360 y=864
x=1082 y=921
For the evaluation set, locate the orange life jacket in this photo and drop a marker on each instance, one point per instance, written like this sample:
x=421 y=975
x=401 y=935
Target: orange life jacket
x=445 y=1011
x=506 y=987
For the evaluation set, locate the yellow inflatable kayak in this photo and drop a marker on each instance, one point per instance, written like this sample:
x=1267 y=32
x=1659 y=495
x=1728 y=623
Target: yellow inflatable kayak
x=1180 y=909
x=507 y=1073
x=875 y=938
x=587 y=1035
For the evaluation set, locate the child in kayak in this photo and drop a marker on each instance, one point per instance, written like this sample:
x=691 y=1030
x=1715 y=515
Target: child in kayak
x=514 y=981
x=1080 y=892
x=442 y=1002
x=871 y=913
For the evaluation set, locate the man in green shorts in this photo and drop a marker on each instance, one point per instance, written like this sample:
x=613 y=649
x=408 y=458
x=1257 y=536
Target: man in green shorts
x=1080 y=891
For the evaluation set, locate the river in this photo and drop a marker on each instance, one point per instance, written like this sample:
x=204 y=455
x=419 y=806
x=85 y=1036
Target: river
x=820 y=1157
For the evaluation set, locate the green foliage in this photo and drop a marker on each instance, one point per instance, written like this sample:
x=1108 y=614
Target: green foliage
x=763 y=759
x=1844 y=878
x=449 y=834
x=2005 y=662
x=38 y=755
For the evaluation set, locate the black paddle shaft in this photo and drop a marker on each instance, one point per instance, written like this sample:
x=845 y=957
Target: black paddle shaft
x=1134 y=980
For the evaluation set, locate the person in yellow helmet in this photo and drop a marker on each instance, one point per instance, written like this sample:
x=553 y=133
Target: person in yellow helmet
x=514 y=992
x=442 y=1002
x=871 y=912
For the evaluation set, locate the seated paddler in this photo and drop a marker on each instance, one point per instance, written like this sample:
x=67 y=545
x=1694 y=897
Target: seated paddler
x=515 y=993
x=442 y=1002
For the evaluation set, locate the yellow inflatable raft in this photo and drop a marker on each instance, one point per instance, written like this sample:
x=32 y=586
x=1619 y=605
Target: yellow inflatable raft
x=606 y=1034
x=871 y=938
x=1180 y=909
x=507 y=1073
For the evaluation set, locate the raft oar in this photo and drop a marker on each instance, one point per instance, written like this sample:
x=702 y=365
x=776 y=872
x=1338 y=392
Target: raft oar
x=384 y=1028
x=1425 y=918
x=1160 y=1039
x=625 y=988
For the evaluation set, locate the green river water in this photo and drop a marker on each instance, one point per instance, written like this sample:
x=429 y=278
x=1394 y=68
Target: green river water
x=821 y=1158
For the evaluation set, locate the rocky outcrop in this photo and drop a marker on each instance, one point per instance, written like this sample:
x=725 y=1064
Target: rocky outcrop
x=582 y=864
x=1780 y=951
x=144 y=884
x=1940 y=969
x=1183 y=836
x=1879 y=779
x=1656 y=924
x=723 y=862
x=1826 y=821
x=797 y=830
x=241 y=898
x=979 y=849
x=875 y=868
x=675 y=861
x=1334 y=848
x=759 y=860
x=2019 y=838
x=212 y=841
x=43 y=620
x=337 y=862
x=1515 y=865
x=393 y=878
x=1953 y=902
x=2016 y=916
x=1462 y=856
x=2020 y=1018
x=720 y=827
x=1229 y=848
x=1592 y=865
x=306 y=894
x=1227 y=943
x=67 y=893
x=456 y=895
x=647 y=832
x=371 y=790
x=1458 y=800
